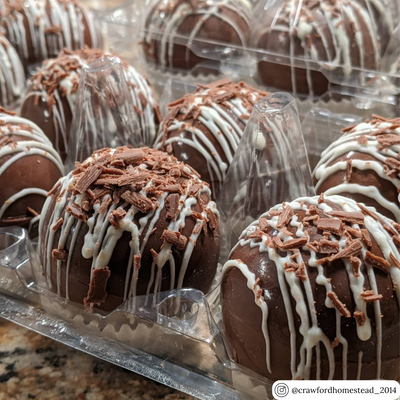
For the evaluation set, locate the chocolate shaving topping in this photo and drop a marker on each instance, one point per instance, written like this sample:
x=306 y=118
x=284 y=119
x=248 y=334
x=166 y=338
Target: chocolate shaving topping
x=367 y=211
x=58 y=224
x=353 y=249
x=213 y=221
x=301 y=272
x=285 y=217
x=339 y=305
x=332 y=225
x=137 y=259
x=130 y=156
x=360 y=317
x=349 y=170
x=377 y=261
x=174 y=238
x=369 y=295
x=141 y=202
x=172 y=205
x=59 y=255
x=352 y=217
x=97 y=288
x=355 y=266
x=104 y=205
x=76 y=211
x=335 y=343
x=367 y=237
x=90 y=175
x=290 y=244
x=328 y=246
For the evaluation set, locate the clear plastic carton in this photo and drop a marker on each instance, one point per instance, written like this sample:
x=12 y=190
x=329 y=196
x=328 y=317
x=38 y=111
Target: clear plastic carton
x=174 y=337
x=340 y=76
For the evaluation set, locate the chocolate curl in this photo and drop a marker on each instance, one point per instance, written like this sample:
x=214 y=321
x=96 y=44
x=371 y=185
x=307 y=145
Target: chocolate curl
x=97 y=288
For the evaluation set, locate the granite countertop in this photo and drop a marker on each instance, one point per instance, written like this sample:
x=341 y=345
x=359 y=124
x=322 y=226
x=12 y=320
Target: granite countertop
x=35 y=367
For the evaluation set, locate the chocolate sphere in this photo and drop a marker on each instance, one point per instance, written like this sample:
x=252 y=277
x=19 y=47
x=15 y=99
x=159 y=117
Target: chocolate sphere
x=40 y=29
x=180 y=33
x=311 y=291
x=52 y=96
x=205 y=128
x=128 y=222
x=12 y=75
x=339 y=36
x=29 y=167
x=364 y=165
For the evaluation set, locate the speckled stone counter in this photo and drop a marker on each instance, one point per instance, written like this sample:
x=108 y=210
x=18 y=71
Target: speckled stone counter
x=35 y=367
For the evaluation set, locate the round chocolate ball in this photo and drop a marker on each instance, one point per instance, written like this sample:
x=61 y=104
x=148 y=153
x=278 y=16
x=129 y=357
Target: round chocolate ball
x=12 y=75
x=338 y=36
x=311 y=291
x=183 y=34
x=364 y=165
x=40 y=29
x=52 y=96
x=128 y=222
x=204 y=128
x=29 y=167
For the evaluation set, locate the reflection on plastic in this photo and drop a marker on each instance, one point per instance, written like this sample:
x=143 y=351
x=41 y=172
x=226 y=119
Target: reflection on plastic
x=269 y=167
x=104 y=114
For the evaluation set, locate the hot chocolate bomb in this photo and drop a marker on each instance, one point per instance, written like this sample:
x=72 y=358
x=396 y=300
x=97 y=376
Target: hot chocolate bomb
x=204 y=128
x=40 y=29
x=52 y=95
x=128 y=222
x=173 y=26
x=330 y=33
x=312 y=291
x=29 y=167
x=364 y=165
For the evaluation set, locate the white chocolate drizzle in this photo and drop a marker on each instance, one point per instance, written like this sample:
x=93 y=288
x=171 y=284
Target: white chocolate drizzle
x=346 y=146
x=26 y=139
x=12 y=75
x=312 y=335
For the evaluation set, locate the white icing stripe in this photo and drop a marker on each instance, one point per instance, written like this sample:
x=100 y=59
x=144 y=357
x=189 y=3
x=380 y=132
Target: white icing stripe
x=346 y=145
x=102 y=238
x=12 y=76
x=33 y=142
x=259 y=300
x=311 y=334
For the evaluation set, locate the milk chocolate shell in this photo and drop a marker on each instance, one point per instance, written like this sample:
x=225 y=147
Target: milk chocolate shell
x=173 y=29
x=40 y=29
x=205 y=128
x=52 y=95
x=128 y=222
x=29 y=167
x=351 y=34
x=364 y=165
x=311 y=291
x=12 y=75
